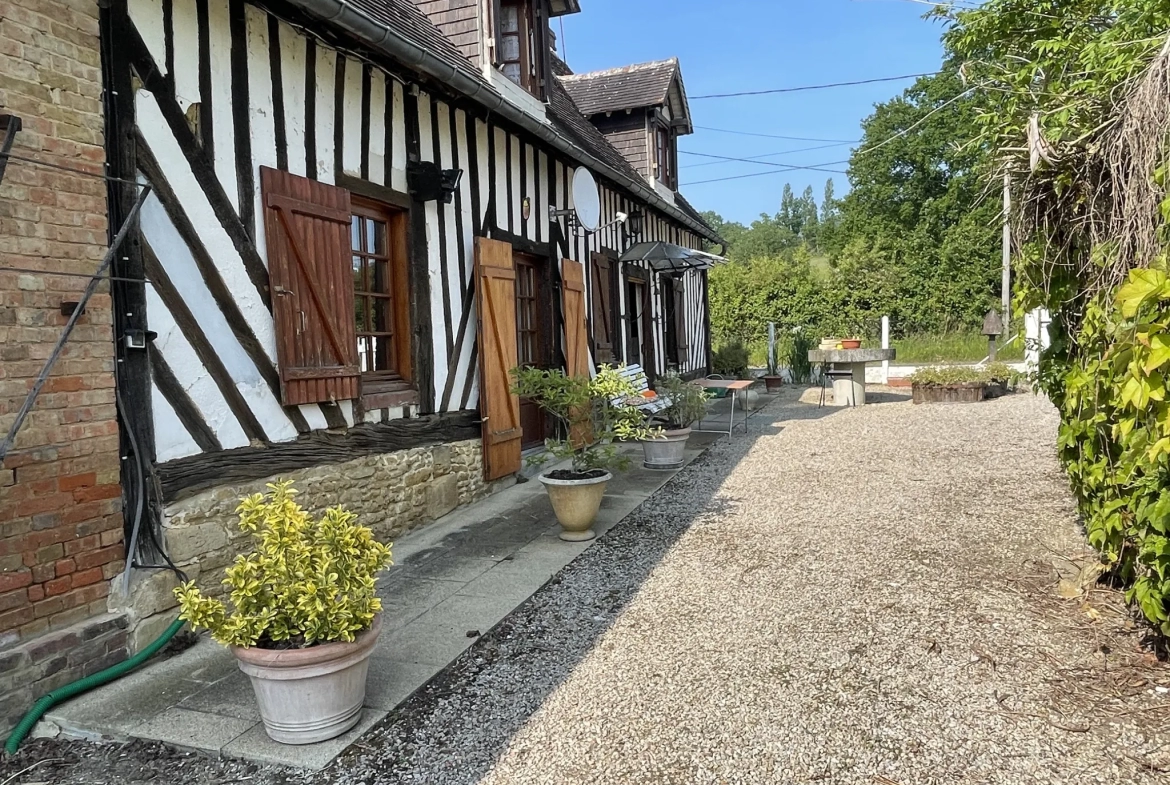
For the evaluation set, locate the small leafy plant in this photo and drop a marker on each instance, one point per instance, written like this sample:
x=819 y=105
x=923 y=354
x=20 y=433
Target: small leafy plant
x=798 y=362
x=688 y=402
x=307 y=582
x=731 y=360
x=591 y=414
x=947 y=376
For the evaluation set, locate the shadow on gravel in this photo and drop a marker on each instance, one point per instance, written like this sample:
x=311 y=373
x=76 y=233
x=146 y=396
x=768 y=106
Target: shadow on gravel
x=455 y=728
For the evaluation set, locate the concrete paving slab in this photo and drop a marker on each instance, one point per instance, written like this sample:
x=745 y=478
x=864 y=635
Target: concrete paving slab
x=115 y=711
x=254 y=745
x=438 y=568
x=391 y=682
x=194 y=730
x=513 y=579
x=430 y=642
x=231 y=696
x=406 y=597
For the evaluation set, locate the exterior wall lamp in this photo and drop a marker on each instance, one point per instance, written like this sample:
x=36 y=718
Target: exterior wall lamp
x=428 y=183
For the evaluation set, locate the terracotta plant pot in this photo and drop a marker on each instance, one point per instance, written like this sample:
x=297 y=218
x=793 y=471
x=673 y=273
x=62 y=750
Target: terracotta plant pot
x=773 y=383
x=576 y=503
x=667 y=452
x=850 y=343
x=314 y=694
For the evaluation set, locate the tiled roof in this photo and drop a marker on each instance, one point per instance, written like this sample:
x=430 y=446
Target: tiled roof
x=568 y=119
x=682 y=204
x=628 y=87
x=404 y=18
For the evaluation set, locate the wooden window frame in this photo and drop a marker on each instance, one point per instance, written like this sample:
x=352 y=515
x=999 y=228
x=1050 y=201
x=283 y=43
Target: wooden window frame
x=400 y=379
x=533 y=43
x=664 y=155
x=542 y=301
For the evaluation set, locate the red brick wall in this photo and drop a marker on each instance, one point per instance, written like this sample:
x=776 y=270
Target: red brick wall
x=60 y=499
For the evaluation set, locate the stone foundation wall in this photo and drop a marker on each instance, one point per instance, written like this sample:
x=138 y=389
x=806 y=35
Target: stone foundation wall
x=393 y=494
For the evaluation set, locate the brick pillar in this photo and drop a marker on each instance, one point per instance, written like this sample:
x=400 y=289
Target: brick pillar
x=60 y=495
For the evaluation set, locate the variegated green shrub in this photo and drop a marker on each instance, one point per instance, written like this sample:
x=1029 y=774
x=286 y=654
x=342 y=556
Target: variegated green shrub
x=307 y=582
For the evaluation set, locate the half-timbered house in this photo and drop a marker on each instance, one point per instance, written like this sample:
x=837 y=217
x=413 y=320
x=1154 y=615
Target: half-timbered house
x=360 y=220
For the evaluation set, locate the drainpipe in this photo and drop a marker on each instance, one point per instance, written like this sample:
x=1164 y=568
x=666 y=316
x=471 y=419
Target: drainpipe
x=390 y=43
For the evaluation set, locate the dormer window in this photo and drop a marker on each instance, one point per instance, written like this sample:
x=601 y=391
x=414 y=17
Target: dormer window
x=521 y=44
x=664 y=156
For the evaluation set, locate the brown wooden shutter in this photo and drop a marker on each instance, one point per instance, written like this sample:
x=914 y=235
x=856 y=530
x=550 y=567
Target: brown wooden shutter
x=495 y=299
x=603 y=321
x=576 y=331
x=306 y=224
x=576 y=335
x=681 y=341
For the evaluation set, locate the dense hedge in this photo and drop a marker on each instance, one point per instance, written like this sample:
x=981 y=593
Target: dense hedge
x=1115 y=436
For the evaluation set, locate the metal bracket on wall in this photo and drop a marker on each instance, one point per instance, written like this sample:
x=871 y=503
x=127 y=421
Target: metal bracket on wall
x=11 y=124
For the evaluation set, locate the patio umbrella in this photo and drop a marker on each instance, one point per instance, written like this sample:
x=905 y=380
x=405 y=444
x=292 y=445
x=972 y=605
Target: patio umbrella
x=668 y=257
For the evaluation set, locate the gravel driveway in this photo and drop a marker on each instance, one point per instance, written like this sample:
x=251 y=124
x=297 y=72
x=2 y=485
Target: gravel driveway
x=848 y=596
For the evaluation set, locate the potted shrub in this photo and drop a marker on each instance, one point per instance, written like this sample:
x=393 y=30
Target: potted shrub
x=773 y=381
x=949 y=385
x=1002 y=380
x=304 y=616
x=592 y=415
x=688 y=404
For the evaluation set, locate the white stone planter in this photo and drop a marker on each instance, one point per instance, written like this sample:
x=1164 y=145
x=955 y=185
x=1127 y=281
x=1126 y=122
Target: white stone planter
x=576 y=503
x=667 y=452
x=314 y=694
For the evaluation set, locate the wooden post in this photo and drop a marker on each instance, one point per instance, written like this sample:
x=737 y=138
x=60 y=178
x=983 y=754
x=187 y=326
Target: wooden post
x=885 y=345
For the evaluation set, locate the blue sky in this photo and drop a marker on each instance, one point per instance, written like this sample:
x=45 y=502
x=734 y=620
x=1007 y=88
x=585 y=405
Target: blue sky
x=739 y=45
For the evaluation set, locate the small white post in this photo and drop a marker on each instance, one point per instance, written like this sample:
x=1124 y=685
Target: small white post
x=885 y=345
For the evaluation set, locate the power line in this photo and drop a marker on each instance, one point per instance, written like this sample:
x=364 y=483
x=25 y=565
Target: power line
x=773 y=136
x=863 y=151
x=70 y=169
x=776 y=171
x=723 y=158
x=813 y=87
x=756 y=158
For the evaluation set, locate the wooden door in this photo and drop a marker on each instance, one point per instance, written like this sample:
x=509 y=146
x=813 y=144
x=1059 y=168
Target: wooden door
x=635 y=294
x=495 y=298
x=530 y=339
x=606 y=340
x=577 y=362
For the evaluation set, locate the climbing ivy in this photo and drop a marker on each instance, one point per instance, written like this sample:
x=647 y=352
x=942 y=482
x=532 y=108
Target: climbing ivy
x=1115 y=435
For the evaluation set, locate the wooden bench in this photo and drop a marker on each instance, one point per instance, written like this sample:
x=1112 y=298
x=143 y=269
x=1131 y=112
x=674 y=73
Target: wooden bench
x=637 y=377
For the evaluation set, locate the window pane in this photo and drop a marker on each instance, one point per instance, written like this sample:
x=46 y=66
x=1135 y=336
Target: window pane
x=510 y=49
x=355 y=232
x=359 y=281
x=510 y=19
x=512 y=72
x=359 y=315
x=380 y=354
x=380 y=273
x=375 y=237
x=380 y=315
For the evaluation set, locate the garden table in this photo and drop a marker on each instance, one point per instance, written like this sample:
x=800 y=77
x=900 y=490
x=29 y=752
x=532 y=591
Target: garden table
x=849 y=387
x=735 y=386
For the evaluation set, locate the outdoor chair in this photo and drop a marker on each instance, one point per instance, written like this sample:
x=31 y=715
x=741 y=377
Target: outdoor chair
x=828 y=377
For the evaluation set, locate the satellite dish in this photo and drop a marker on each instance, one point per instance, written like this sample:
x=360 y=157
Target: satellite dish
x=586 y=200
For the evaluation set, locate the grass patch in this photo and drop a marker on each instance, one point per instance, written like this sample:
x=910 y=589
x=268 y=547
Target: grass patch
x=950 y=348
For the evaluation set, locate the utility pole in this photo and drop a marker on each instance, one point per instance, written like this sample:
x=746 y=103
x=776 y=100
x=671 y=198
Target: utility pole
x=1006 y=305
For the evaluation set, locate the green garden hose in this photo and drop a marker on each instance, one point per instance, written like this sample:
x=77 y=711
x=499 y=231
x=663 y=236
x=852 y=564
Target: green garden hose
x=82 y=685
